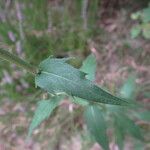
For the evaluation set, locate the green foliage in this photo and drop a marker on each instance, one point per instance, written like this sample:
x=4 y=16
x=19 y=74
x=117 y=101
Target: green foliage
x=43 y=25
x=146 y=30
x=96 y=125
x=129 y=126
x=119 y=132
x=135 y=31
x=123 y=125
x=43 y=111
x=146 y=15
x=143 y=16
x=144 y=115
x=129 y=88
x=53 y=71
x=57 y=76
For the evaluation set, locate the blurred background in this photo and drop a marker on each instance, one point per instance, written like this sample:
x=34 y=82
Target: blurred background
x=117 y=32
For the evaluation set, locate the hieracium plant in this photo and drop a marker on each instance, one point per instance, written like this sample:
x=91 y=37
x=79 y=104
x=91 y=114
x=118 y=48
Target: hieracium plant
x=59 y=78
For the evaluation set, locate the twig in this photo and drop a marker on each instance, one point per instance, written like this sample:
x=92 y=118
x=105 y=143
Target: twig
x=6 y=55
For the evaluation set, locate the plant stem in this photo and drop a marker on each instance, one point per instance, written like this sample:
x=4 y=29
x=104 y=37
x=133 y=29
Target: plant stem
x=18 y=61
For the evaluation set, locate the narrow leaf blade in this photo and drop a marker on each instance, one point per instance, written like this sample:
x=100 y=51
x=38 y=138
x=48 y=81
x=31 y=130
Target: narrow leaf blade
x=119 y=133
x=43 y=111
x=130 y=126
x=96 y=125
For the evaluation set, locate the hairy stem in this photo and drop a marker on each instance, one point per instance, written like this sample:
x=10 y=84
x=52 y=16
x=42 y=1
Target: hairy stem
x=4 y=54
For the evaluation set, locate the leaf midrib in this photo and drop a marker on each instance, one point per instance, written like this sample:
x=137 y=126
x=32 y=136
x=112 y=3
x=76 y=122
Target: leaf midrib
x=49 y=73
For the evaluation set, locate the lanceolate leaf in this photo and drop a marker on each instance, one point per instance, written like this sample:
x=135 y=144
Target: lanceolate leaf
x=96 y=125
x=119 y=133
x=129 y=126
x=43 y=111
x=57 y=76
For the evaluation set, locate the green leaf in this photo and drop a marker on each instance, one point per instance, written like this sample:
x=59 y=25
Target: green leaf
x=146 y=15
x=96 y=125
x=43 y=111
x=146 y=31
x=89 y=67
x=119 y=133
x=128 y=90
x=129 y=126
x=145 y=115
x=135 y=31
x=59 y=77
